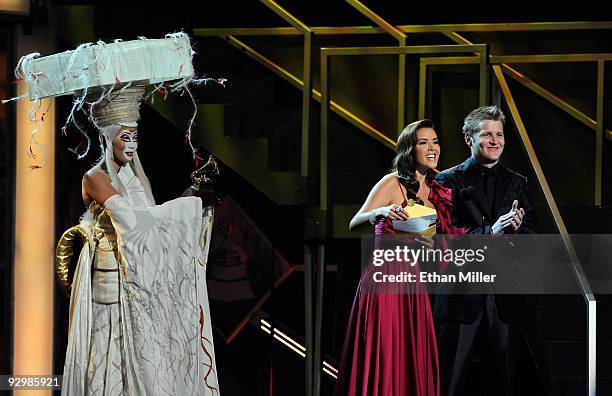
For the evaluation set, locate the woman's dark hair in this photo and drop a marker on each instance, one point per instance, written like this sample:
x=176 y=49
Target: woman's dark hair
x=404 y=162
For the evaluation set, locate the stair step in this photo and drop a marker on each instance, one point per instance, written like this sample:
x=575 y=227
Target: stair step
x=247 y=156
x=284 y=154
x=262 y=121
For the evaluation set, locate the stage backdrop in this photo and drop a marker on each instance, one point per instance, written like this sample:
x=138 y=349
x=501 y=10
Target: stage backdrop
x=243 y=269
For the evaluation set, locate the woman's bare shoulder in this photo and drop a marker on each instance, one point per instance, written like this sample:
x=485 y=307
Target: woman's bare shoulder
x=97 y=186
x=96 y=176
x=95 y=173
x=388 y=181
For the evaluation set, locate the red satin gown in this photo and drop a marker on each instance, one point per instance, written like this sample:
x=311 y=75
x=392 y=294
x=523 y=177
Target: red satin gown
x=390 y=346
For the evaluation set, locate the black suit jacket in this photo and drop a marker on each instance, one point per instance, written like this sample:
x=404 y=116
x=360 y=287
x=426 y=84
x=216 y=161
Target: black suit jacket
x=469 y=211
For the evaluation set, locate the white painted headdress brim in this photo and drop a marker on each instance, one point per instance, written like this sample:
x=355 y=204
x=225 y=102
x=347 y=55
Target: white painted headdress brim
x=145 y=61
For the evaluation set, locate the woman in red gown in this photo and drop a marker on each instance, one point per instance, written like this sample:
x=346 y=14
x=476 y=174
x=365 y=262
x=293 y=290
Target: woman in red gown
x=390 y=346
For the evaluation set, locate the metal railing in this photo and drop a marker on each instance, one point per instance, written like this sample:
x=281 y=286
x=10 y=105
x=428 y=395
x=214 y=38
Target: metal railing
x=401 y=70
x=306 y=79
x=585 y=288
x=449 y=31
x=328 y=53
x=598 y=125
x=500 y=66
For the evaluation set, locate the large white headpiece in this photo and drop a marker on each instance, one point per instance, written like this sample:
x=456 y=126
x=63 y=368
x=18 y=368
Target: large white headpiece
x=109 y=80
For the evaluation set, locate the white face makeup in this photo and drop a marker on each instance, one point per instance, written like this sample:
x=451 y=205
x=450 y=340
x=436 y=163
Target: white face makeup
x=125 y=144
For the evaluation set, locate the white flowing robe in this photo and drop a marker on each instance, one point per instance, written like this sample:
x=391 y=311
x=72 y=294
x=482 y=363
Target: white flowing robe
x=157 y=340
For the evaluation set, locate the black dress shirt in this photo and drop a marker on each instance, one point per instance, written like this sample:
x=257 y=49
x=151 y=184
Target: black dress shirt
x=488 y=178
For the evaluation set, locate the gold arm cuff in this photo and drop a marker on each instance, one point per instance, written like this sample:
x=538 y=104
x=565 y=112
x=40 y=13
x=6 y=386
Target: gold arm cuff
x=63 y=255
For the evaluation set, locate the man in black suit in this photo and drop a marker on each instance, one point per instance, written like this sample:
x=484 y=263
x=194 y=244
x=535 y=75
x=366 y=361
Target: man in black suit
x=488 y=199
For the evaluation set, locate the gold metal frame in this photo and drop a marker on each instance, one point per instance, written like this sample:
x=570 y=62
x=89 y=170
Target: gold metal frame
x=587 y=293
x=550 y=200
x=445 y=28
x=528 y=83
x=596 y=125
x=296 y=82
x=401 y=69
x=306 y=82
x=500 y=67
x=327 y=53
x=599 y=58
x=451 y=32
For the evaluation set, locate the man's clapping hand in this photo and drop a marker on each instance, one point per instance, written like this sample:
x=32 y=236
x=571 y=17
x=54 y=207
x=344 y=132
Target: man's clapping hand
x=513 y=218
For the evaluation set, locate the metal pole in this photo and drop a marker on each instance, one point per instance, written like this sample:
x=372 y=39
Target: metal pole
x=324 y=126
x=484 y=77
x=307 y=76
x=319 y=319
x=401 y=65
x=599 y=131
x=422 y=88
x=401 y=89
x=582 y=280
x=592 y=347
x=308 y=317
x=306 y=103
